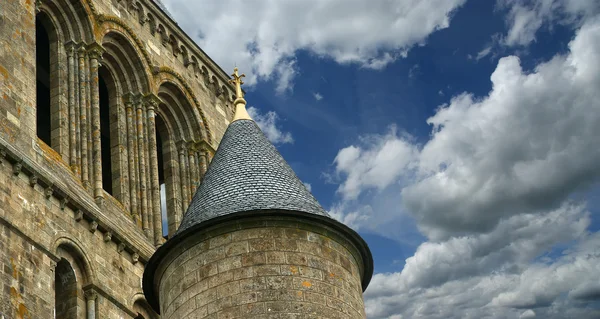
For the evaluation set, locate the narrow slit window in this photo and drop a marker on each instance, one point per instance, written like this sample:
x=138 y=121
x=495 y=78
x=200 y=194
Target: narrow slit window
x=42 y=55
x=105 y=144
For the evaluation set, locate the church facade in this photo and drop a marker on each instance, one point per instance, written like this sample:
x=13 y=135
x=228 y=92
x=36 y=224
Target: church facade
x=110 y=116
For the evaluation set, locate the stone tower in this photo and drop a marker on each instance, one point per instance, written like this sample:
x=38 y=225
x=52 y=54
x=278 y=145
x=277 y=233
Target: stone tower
x=254 y=243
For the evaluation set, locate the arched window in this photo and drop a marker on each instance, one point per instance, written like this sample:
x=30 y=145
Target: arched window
x=163 y=186
x=65 y=288
x=44 y=75
x=143 y=310
x=166 y=155
x=105 y=138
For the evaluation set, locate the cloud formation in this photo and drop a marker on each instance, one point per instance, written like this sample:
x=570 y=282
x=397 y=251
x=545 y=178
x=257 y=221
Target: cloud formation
x=268 y=124
x=263 y=37
x=491 y=191
x=525 y=18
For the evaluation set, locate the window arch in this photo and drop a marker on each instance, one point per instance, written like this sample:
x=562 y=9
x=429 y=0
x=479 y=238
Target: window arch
x=65 y=290
x=47 y=88
x=69 y=279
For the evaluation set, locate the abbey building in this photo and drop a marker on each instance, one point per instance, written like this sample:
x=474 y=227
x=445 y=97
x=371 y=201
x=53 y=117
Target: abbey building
x=111 y=203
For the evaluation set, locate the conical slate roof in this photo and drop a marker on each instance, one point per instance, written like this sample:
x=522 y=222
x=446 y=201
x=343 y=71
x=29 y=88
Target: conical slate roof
x=247 y=173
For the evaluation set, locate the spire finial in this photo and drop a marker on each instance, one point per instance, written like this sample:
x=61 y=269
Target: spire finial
x=240 y=103
x=237 y=81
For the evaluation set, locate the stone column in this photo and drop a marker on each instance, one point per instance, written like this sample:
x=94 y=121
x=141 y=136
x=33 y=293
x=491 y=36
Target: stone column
x=95 y=53
x=88 y=138
x=142 y=166
x=184 y=181
x=77 y=113
x=193 y=168
x=202 y=165
x=90 y=299
x=83 y=117
x=131 y=156
x=70 y=48
x=152 y=102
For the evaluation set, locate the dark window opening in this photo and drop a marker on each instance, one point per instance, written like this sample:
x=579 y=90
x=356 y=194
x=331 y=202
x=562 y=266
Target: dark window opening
x=163 y=189
x=105 y=136
x=65 y=289
x=42 y=59
x=139 y=316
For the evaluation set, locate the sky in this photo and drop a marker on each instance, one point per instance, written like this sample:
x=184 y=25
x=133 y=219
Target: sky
x=460 y=138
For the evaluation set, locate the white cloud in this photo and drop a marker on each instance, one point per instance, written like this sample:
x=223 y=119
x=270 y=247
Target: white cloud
x=490 y=190
x=526 y=17
x=308 y=186
x=318 y=96
x=376 y=164
x=527 y=314
x=483 y=53
x=268 y=124
x=264 y=36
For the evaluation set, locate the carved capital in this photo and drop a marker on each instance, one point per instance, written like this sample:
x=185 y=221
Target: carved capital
x=120 y=248
x=152 y=101
x=129 y=99
x=107 y=236
x=90 y=294
x=182 y=146
x=95 y=51
x=38 y=6
x=139 y=101
x=81 y=50
x=71 y=48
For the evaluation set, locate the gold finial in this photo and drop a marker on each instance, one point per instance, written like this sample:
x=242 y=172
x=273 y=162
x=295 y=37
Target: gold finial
x=240 y=103
x=237 y=81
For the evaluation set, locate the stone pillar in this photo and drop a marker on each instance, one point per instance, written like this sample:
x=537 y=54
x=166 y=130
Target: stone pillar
x=146 y=154
x=193 y=168
x=83 y=117
x=152 y=102
x=70 y=48
x=184 y=181
x=95 y=53
x=142 y=166
x=202 y=165
x=77 y=113
x=88 y=138
x=90 y=299
x=131 y=157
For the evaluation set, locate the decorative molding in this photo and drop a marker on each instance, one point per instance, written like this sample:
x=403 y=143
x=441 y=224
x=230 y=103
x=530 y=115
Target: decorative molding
x=33 y=180
x=63 y=203
x=93 y=226
x=78 y=215
x=189 y=90
x=17 y=167
x=135 y=258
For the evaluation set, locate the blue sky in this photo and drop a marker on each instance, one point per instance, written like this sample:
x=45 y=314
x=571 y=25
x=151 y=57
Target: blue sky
x=460 y=138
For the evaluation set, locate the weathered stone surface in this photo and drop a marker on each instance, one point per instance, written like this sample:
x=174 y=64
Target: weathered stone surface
x=260 y=277
x=52 y=205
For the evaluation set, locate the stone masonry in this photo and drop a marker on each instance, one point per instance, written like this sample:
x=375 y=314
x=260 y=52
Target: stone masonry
x=263 y=268
x=70 y=248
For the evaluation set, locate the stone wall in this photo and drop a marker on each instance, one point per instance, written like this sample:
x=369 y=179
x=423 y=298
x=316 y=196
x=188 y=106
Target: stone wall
x=262 y=269
x=49 y=209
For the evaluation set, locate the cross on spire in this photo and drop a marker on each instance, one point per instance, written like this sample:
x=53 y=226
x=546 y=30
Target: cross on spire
x=237 y=81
